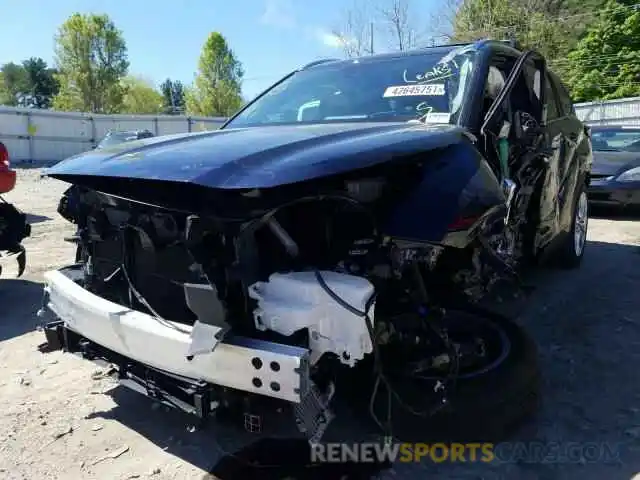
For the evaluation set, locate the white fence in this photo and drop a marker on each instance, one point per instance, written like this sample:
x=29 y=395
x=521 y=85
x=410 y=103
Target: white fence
x=44 y=136
x=625 y=111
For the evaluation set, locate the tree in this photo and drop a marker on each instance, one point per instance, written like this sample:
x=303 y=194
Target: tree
x=397 y=16
x=173 y=96
x=5 y=97
x=41 y=83
x=356 y=32
x=606 y=63
x=31 y=84
x=91 y=57
x=553 y=27
x=217 y=86
x=141 y=97
x=14 y=84
x=394 y=21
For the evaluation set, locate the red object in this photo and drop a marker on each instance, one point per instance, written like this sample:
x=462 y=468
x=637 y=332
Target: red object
x=7 y=176
x=462 y=223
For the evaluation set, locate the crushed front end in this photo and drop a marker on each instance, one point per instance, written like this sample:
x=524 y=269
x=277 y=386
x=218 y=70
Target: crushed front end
x=213 y=299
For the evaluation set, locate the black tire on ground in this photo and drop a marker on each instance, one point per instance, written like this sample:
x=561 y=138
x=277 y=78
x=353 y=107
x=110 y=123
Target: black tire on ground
x=569 y=256
x=483 y=408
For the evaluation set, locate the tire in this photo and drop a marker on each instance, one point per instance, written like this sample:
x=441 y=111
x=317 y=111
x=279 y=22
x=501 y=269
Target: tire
x=571 y=252
x=486 y=407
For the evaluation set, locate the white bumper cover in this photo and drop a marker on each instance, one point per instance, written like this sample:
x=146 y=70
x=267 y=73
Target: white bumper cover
x=281 y=371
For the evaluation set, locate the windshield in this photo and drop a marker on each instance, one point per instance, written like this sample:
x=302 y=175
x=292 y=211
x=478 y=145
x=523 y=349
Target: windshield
x=625 y=140
x=428 y=87
x=114 y=138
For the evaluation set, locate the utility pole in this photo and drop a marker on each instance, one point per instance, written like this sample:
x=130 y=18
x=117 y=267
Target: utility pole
x=371 y=39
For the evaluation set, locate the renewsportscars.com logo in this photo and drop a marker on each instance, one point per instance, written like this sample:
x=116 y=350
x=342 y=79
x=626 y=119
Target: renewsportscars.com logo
x=507 y=452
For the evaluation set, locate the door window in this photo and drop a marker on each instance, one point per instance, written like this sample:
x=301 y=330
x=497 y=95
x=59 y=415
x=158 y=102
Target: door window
x=553 y=105
x=565 y=105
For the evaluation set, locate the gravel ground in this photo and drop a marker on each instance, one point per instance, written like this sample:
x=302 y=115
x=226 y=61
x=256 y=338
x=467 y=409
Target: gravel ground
x=63 y=419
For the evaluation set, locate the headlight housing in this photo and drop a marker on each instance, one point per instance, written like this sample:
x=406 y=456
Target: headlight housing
x=631 y=175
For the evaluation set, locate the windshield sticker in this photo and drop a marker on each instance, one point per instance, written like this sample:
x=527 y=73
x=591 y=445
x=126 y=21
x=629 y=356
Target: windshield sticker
x=440 y=71
x=415 y=90
x=433 y=117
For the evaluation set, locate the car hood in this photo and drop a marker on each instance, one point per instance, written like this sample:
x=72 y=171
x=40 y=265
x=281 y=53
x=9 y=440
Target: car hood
x=258 y=157
x=613 y=163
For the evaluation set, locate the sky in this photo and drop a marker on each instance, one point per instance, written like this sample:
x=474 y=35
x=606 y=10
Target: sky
x=164 y=39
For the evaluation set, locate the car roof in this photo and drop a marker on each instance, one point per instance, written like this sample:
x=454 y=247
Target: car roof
x=480 y=45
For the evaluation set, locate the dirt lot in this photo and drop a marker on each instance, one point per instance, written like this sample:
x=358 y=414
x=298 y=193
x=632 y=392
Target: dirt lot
x=61 y=419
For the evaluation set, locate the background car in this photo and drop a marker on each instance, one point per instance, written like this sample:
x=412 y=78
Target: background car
x=7 y=175
x=115 y=137
x=616 y=166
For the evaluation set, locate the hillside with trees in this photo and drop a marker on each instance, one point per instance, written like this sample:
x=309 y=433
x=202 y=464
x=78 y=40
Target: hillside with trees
x=593 y=45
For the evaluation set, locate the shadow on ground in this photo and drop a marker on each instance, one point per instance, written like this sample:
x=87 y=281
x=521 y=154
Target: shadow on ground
x=587 y=325
x=31 y=165
x=19 y=301
x=33 y=218
x=614 y=214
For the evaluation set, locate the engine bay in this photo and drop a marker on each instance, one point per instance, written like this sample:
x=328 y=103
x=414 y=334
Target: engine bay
x=315 y=272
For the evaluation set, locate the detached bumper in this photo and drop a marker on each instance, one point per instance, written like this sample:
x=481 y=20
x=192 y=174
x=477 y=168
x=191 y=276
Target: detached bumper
x=143 y=346
x=615 y=194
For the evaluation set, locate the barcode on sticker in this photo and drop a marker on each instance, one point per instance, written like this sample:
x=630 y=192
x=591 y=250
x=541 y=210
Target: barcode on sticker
x=430 y=89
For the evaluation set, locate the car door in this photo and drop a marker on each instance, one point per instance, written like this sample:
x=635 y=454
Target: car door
x=555 y=150
x=575 y=157
x=529 y=90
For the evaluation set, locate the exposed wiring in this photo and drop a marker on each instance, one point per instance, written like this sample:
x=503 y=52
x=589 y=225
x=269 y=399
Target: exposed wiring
x=143 y=301
x=134 y=291
x=381 y=377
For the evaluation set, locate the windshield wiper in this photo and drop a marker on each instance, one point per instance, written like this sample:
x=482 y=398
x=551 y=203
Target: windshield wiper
x=386 y=114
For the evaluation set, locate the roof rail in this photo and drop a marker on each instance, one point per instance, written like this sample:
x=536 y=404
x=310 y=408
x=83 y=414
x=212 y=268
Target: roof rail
x=319 y=62
x=462 y=44
x=512 y=42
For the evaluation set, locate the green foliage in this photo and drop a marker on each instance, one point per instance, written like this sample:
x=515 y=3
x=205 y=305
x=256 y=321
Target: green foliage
x=91 y=56
x=173 y=94
x=31 y=84
x=14 y=84
x=532 y=25
x=553 y=27
x=217 y=86
x=141 y=97
x=41 y=83
x=605 y=64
